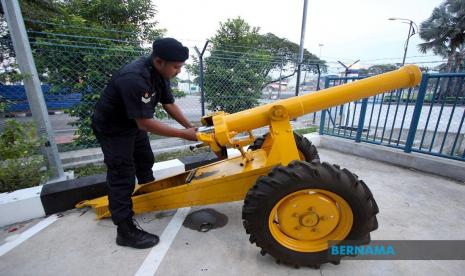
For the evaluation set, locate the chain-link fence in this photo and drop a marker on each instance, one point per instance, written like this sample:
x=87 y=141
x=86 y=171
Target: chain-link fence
x=21 y=159
x=73 y=77
x=77 y=75
x=74 y=70
x=239 y=82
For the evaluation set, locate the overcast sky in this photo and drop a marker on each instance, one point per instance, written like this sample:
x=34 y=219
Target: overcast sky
x=348 y=29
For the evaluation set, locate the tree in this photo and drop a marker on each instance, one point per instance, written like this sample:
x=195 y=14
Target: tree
x=77 y=44
x=240 y=63
x=39 y=9
x=378 y=69
x=283 y=49
x=109 y=33
x=236 y=68
x=444 y=33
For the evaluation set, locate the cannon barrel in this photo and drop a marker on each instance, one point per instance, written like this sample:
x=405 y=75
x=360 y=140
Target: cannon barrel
x=406 y=76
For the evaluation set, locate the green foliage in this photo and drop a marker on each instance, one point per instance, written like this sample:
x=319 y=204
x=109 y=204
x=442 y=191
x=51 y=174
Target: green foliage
x=21 y=173
x=444 y=33
x=89 y=169
x=283 y=50
x=378 y=69
x=240 y=63
x=11 y=75
x=178 y=154
x=381 y=68
x=34 y=9
x=3 y=105
x=234 y=83
x=21 y=164
x=306 y=130
x=18 y=140
x=178 y=93
x=91 y=80
x=78 y=44
x=393 y=98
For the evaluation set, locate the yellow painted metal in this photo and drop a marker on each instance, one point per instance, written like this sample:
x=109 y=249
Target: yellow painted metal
x=283 y=148
x=229 y=180
x=268 y=143
x=306 y=220
x=223 y=181
x=210 y=140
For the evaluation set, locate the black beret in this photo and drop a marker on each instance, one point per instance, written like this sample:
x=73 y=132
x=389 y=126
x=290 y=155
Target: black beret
x=170 y=49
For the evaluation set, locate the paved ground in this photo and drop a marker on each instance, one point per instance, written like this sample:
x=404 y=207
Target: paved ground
x=413 y=205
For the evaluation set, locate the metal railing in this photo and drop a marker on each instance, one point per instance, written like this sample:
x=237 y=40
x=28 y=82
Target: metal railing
x=427 y=119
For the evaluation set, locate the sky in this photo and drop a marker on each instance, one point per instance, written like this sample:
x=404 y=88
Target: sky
x=348 y=29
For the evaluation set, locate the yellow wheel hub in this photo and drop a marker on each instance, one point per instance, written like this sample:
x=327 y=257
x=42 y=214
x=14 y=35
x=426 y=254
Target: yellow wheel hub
x=306 y=220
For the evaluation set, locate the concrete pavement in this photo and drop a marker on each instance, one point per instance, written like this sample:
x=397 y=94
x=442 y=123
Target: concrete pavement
x=413 y=205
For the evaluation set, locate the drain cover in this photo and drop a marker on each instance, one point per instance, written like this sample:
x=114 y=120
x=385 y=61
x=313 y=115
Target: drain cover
x=204 y=220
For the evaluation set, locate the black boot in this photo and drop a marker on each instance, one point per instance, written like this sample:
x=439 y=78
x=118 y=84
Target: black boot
x=131 y=234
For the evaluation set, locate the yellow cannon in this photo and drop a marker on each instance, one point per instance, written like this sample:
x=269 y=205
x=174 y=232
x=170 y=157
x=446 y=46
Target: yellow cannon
x=293 y=204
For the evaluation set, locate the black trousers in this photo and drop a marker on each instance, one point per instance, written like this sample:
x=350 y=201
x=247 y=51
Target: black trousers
x=127 y=155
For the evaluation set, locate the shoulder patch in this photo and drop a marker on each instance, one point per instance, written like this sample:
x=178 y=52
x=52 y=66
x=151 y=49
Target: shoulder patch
x=146 y=98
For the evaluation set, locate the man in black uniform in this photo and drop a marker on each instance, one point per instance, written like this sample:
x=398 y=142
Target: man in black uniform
x=122 y=117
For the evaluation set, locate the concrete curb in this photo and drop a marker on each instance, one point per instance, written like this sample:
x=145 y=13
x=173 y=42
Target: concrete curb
x=82 y=157
x=29 y=114
x=21 y=205
x=36 y=202
x=449 y=168
x=60 y=196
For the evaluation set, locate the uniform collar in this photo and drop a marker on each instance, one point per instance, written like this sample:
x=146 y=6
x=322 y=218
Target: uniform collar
x=153 y=72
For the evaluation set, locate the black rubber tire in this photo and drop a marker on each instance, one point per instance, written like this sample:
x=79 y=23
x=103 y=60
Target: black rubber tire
x=303 y=145
x=300 y=175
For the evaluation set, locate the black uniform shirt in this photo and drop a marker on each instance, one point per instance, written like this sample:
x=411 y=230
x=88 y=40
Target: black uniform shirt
x=132 y=93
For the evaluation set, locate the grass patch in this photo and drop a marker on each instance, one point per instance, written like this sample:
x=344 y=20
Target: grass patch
x=178 y=154
x=306 y=130
x=72 y=147
x=89 y=169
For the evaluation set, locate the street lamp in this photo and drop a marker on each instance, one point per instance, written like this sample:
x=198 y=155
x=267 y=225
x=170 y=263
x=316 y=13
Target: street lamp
x=411 y=32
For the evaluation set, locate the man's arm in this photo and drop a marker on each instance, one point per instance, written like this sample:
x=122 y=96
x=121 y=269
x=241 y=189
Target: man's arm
x=157 y=127
x=176 y=113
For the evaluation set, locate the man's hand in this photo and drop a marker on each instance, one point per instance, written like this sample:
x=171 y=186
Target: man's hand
x=190 y=134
